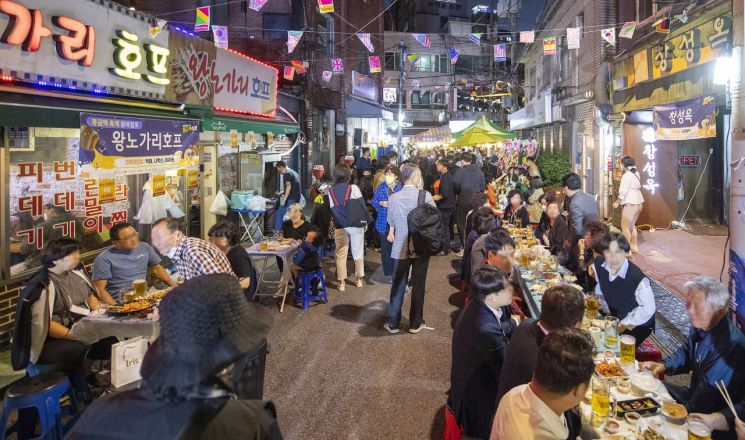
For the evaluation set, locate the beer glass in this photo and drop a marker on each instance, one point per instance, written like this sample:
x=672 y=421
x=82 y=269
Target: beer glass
x=628 y=349
x=592 y=305
x=140 y=288
x=698 y=430
x=600 y=399
x=611 y=332
x=597 y=335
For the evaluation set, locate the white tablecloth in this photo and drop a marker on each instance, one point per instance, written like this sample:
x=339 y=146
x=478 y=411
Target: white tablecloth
x=98 y=326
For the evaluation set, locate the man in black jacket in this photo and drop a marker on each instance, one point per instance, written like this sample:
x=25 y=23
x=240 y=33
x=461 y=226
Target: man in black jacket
x=468 y=181
x=445 y=199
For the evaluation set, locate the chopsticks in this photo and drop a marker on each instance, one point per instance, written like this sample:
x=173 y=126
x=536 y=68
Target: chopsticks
x=725 y=394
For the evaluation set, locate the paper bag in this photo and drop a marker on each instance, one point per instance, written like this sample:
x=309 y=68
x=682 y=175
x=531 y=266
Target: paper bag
x=126 y=360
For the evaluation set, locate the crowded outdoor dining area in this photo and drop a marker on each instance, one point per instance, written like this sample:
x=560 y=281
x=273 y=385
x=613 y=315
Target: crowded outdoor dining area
x=513 y=221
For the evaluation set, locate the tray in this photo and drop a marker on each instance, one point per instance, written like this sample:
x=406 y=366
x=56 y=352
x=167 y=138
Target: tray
x=642 y=405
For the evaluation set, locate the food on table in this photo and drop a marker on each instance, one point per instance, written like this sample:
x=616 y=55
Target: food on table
x=609 y=368
x=674 y=411
x=641 y=406
x=538 y=288
x=650 y=434
x=612 y=426
x=158 y=294
x=134 y=306
x=632 y=418
x=550 y=275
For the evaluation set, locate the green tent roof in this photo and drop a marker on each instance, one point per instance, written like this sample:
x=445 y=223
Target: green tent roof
x=485 y=124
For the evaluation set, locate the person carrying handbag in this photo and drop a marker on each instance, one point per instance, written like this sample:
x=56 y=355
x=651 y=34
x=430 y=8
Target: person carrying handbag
x=631 y=198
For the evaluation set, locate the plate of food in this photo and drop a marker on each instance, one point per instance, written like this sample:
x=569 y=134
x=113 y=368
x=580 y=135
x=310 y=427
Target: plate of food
x=132 y=307
x=674 y=412
x=157 y=294
x=538 y=288
x=609 y=369
x=641 y=406
x=551 y=275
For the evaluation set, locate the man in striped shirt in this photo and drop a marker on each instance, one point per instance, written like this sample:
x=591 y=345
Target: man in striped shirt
x=192 y=256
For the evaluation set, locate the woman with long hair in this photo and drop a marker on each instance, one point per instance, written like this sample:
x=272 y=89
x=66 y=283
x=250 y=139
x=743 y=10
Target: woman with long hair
x=631 y=199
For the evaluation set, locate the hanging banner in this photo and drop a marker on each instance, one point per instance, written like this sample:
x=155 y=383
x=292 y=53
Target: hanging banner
x=220 y=34
x=476 y=38
x=500 y=52
x=289 y=73
x=609 y=35
x=293 y=38
x=127 y=145
x=627 y=31
x=159 y=184
x=203 y=19
x=454 y=55
x=527 y=36
x=422 y=39
x=374 y=62
x=690 y=119
x=298 y=65
x=337 y=65
x=549 y=46
x=573 y=38
x=326 y=6
x=326 y=75
x=256 y=5
x=365 y=39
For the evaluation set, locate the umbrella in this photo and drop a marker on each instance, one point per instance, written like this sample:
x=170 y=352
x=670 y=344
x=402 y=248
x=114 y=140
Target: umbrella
x=475 y=136
x=485 y=124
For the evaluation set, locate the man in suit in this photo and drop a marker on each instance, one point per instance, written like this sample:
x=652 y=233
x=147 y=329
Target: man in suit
x=468 y=181
x=479 y=345
x=445 y=199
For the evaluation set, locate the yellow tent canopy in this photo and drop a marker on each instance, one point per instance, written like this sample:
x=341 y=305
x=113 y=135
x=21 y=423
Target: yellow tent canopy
x=475 y=136
x=483 y=123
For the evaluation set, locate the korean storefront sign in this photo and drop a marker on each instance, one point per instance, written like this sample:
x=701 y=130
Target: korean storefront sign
x=244 y=85
x=193 y=71
x=696 y=46
x=83 y=45
x=111 y=145
x=690 y=119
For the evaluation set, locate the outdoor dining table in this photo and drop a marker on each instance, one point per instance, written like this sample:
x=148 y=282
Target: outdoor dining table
x=284 y=253
x=251 y=221
x=99 y=325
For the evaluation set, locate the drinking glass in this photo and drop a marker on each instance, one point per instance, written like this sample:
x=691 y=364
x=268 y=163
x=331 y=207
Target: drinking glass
x=592 y=305
x=698 y=430
x=600 y=399
x=140 y=287
x=628 y=349
x=611 y=332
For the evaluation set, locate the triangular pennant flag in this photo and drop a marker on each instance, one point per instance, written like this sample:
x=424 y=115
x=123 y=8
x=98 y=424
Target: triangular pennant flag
x=220 y=36
x=573 y=38
x=476 y=38
x=326 y=6
x=337 y=65
x=500 y=52
x=256 y=5
x=326 y=75
x=627 y=31
x=453 y=55
x=374 y=62
x=527 y=36
x=415 y=83
x=203 y=19
x=298 y=65
x=365 y=39
x=293 y=38
x=289 y=73
x=413 y=58
x=609 y=35
x=549 y=46
x=662 y=26
x=156 y=26
x=423 y=39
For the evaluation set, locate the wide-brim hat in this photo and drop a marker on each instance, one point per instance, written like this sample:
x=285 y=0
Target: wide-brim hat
x=205 y=325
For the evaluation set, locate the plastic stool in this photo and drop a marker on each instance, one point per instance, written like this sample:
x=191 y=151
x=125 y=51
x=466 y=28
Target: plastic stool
x=42 y=392
x=33 y=370
x=305 y=286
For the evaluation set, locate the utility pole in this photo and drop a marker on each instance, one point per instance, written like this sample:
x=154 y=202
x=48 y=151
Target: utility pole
x=513 y=61
x=402 y=50
x=737 y=164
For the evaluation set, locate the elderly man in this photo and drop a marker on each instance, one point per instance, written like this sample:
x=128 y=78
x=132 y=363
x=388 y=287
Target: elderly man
x=400 y=204
x=127 y=260
x=715 y=350
x=193 y=257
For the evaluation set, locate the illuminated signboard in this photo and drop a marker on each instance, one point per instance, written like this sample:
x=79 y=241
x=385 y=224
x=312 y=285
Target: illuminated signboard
x=650 y=167
x=83 y=45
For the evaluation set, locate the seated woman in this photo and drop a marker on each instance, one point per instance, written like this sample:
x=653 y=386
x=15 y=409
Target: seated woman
x=590 y=248
x=536 y=200
x=57 y=297
x=480 y=200
x=485 y=223
x=558 y=232
x=623 y=289
x=224 y=236
x=515 y=213
x=296 y=227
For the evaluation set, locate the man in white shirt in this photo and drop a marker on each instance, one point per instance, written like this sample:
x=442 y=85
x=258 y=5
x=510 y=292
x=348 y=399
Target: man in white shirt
x=536 y=411
x=617 y=277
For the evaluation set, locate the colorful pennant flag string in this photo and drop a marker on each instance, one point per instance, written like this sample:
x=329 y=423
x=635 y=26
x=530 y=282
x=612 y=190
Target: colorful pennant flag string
x=627 y=31
x=220 y=36
x=476 y=38
x=337 y=65
x=156 y=27
x=573 y=36
x=549 y=46
x=500 y=52
x=298 y=65
x=289 y=73
x=365 y=39
x=453 y=55
x=293 y=38
x=374 y=62
x=413 y=58
x=662 y=26
x=326 y=6
x=256 y=5
x=326 y=75
x=203 y=19
x=423 y=39
x=609 y=35
x=527 y=36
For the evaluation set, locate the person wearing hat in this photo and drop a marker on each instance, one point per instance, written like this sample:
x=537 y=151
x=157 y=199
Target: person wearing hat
x=196 y=377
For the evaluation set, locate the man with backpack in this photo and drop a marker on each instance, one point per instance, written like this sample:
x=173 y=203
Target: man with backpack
x=416 y=233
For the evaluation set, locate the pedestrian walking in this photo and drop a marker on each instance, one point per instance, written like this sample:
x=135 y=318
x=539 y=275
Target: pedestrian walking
x=631 y=199
x=445 y=199
x=388 y=187
x=468 y=181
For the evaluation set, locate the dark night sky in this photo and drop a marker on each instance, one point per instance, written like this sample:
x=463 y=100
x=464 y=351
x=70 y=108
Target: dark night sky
x=529 y=10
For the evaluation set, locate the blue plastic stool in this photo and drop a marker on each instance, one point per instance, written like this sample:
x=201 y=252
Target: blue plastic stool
x=42 y=392
x=305 y=287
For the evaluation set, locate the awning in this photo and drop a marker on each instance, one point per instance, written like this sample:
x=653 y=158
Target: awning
x=244 y=125
x=363 y=108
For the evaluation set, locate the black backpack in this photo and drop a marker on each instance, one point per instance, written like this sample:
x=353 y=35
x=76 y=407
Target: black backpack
x=426 y=233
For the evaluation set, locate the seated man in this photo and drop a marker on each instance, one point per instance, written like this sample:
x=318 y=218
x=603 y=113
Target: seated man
x=535 y=411
x=479 y=344
x=623 y=289
x=714 y=351
x=127 y=260
x=308 y=258
x=729 y=424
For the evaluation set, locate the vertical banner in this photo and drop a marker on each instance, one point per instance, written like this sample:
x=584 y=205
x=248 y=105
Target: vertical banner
x=203 y=19
x=159 y=184
x=374 y=62
x=549 y=46
x=326 y=6
x=500 y=52
x=573 y=38
x=220 y=34
x=690 y=119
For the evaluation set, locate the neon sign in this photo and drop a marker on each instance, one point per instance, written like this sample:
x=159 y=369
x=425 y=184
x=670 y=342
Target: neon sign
x=650 y=151
x=26 y=29
x=128 y=57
